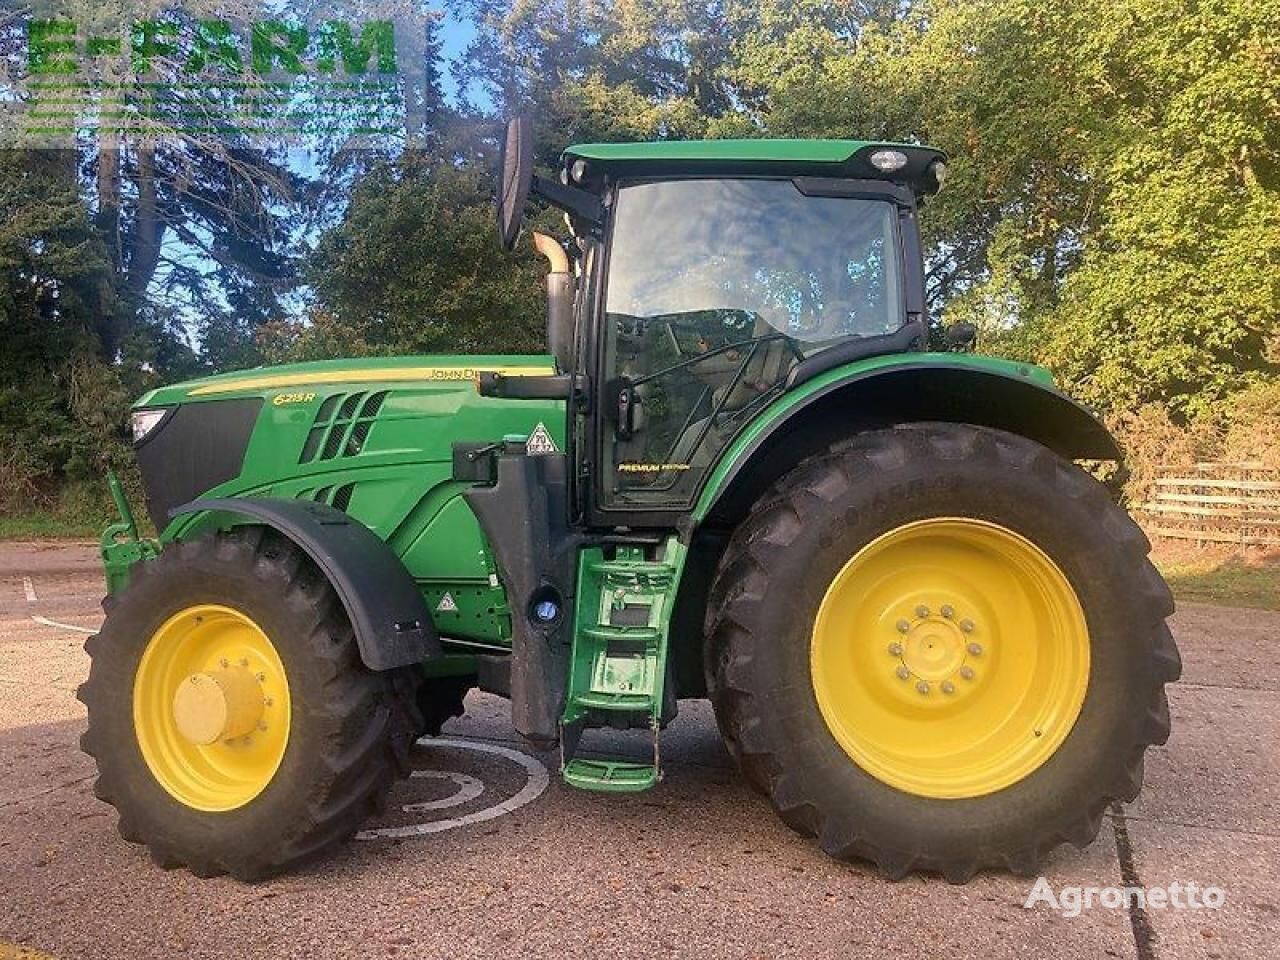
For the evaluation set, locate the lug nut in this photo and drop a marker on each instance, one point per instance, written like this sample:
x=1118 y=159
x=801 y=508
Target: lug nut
x=903 y=626
x=260 y=677
x=948 y=687
x=903 y=673
x=922 y=687
x=948 y=611
x=224 y=663
x=267 y=701
x=975 y=649
x=244 y=661
x=261 y=725
x=966 y=672
x=895 y=649
x=922 y=611
x=966 y=626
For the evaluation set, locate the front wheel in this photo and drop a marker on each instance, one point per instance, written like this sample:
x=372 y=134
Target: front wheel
x=234 y=726
x=940 y=647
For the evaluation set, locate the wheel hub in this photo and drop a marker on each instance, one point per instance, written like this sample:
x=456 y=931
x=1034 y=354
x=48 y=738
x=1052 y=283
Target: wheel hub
x=935 y=649
x=211 y=707
x=220 y=705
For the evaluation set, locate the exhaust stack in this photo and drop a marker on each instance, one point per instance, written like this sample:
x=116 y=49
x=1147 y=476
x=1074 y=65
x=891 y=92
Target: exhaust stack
x=559 y=300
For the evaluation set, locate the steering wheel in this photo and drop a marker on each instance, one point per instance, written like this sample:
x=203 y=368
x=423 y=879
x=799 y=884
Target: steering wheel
x=680 y=330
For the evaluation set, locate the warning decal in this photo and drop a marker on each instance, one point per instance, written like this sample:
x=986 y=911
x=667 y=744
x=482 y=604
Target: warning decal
x=540 y=441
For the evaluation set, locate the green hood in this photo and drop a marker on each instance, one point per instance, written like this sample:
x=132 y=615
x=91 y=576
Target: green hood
x=299 y=377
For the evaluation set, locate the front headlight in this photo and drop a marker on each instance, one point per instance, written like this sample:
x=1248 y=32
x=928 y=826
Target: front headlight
x=144 y=421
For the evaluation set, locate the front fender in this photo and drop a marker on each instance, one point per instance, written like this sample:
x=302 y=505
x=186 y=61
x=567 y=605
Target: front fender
x=881 y=391
x=390 y=618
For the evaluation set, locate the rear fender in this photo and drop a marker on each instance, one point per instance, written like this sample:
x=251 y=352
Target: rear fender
x=883 y=391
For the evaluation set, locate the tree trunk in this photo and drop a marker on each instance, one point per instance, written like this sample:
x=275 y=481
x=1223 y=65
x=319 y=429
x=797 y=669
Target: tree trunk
x=148 y=229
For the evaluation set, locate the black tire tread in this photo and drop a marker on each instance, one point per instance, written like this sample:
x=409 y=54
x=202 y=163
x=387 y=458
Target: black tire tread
x=763 y=540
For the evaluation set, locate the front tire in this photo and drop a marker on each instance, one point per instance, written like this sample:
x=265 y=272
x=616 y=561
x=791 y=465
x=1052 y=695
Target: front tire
x=234 y=726
x=844 y=667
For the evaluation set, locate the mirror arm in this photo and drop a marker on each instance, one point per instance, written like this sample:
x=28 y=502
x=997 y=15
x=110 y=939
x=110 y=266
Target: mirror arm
x=560 y=386
x=577 y=203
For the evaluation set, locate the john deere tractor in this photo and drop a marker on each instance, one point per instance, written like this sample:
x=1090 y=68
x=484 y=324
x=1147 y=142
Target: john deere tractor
x=930 y=638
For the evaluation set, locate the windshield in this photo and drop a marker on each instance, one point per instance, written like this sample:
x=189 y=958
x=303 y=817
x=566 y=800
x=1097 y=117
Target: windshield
x=716 y=289
x=815 y=269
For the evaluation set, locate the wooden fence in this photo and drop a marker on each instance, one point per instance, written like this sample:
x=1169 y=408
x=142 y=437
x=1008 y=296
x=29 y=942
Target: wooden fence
x=1216 y=503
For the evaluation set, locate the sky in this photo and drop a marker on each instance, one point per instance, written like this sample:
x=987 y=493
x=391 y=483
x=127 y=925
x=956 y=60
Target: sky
x=455 y=35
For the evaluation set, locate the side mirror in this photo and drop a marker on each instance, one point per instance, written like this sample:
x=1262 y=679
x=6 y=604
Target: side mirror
x=515 y=170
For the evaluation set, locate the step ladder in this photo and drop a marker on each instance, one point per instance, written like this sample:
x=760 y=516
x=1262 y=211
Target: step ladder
x=618 y=665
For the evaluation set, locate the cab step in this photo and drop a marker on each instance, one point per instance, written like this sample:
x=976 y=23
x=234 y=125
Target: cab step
x=610 y=776
x=618 y=664
x=624 y=572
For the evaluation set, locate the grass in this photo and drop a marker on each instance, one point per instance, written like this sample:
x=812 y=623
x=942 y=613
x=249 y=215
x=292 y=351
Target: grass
x=1222 y=576
x=79 y=511
x=48 y=524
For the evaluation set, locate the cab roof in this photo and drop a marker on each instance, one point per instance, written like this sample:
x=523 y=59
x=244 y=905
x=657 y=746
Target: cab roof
x=832 y=158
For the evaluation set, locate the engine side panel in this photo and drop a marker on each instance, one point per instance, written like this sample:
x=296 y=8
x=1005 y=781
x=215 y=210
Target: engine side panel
x=381 y=451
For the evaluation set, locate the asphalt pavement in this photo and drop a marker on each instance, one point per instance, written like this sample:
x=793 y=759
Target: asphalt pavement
x=486 y=853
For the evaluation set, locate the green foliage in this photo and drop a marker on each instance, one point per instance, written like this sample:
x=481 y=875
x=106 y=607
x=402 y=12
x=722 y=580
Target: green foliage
x=415 y=267
x=57 y=282
x=1178 y=287
x=63 y=399
x=1223 y=577
x=113 y=257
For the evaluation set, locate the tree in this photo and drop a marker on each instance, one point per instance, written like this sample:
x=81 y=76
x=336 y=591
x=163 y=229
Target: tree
x=62 y=406
x=415 y=267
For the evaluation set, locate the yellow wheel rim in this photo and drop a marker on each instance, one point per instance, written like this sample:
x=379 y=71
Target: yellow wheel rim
x=211 y=708
x=950 y=658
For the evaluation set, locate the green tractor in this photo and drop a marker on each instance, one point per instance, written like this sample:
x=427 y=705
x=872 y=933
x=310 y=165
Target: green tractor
x=738 y=473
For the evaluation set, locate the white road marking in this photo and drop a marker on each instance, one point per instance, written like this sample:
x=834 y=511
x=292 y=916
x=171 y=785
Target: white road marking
x=532 y=789
x=29 y=589
x=468 y=789
x=63 y=626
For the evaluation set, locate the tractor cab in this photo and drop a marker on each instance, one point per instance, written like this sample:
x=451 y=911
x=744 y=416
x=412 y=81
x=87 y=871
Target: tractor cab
x=709 y=278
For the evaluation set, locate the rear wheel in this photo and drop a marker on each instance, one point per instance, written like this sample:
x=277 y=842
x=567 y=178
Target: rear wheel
x=234 y=726
x=940 y=647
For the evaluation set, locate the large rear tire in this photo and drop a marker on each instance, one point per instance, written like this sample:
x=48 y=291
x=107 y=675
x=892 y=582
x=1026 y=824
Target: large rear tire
x=940 y=647
x=234 y=725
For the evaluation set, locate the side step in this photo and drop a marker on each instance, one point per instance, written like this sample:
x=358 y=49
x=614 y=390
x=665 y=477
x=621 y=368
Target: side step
x=610 y=776
x=618 y=665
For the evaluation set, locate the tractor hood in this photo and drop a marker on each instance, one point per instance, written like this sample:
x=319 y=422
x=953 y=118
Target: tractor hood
x=267 y=382
x=349 y=433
